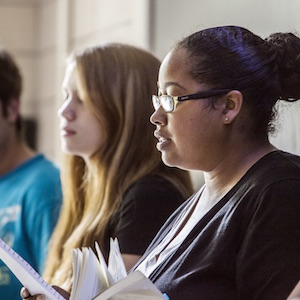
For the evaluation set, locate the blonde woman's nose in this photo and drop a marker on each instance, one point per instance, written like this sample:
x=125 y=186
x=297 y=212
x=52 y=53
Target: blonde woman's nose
x=66 y=111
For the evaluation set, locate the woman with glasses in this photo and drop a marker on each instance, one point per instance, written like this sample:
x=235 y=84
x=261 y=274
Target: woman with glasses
x=238 y=237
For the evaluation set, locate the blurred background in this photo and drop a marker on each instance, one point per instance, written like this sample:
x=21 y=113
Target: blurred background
x=41 y=33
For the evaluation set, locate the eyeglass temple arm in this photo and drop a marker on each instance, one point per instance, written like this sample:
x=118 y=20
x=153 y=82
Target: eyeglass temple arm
x=205 y=94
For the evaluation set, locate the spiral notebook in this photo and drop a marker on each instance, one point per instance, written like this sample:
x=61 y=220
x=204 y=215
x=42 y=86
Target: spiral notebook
x=26 y=274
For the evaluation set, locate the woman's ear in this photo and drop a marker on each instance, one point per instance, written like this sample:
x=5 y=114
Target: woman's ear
x=233 y=102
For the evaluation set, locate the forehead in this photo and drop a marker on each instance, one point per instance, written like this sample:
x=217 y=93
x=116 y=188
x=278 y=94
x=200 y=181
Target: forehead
x=70 y=75
x=174 y=69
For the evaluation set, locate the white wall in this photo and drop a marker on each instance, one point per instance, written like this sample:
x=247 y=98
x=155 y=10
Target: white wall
x=94 y=21
x=17 y=31
x=174 y=19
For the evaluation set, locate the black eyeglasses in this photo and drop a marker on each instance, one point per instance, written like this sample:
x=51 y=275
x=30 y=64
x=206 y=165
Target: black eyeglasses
x=169 y=103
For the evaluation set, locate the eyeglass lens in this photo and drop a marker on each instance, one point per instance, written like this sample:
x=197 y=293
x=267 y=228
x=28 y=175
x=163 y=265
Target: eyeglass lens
x=165 y=101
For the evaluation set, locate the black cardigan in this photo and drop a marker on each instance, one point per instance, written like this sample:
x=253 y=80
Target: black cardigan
x=247 y=246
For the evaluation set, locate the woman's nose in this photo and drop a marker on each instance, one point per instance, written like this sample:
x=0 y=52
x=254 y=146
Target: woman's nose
x=66 y=111
x=158 y=117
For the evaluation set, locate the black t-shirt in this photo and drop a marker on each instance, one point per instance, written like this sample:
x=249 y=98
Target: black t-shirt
x=146 y=206
x=247 y=246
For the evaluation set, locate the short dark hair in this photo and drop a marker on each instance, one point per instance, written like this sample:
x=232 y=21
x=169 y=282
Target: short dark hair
x=263 y=70
x=10 y=82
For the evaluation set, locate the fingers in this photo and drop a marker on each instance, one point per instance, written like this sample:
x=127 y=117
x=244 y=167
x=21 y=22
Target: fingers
x=65 y=294
x=24 y=293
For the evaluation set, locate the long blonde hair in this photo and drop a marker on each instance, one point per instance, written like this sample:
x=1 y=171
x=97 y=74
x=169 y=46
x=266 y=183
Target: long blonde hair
x=116 y=81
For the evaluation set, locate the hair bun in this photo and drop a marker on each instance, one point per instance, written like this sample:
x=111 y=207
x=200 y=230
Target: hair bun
x=288 y=49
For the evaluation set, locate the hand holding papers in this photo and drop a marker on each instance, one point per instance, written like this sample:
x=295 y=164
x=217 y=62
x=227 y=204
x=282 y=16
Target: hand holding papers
x=92 y=278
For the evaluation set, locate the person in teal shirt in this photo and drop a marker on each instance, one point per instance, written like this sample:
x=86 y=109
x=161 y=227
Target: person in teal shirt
x=30 y=189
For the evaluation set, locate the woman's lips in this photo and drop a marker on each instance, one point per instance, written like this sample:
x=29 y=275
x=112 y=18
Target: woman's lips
x=65 y=132
x=163 y=142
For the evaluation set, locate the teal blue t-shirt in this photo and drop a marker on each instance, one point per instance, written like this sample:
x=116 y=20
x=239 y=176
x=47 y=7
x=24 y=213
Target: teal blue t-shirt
x=30 y=201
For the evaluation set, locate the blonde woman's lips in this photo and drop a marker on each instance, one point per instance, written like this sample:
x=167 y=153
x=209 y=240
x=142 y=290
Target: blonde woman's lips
x=65 y=132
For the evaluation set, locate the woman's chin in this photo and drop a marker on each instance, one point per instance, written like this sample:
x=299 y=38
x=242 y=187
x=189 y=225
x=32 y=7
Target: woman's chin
x=168 y=161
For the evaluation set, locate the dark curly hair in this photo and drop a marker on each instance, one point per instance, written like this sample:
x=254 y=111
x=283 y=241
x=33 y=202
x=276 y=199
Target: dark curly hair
x=263 y=70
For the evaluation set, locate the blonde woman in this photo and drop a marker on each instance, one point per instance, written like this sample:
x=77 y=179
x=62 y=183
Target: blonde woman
x=114 y=182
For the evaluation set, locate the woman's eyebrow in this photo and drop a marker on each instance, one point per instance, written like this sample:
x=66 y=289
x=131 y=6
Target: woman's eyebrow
x=171 y=83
